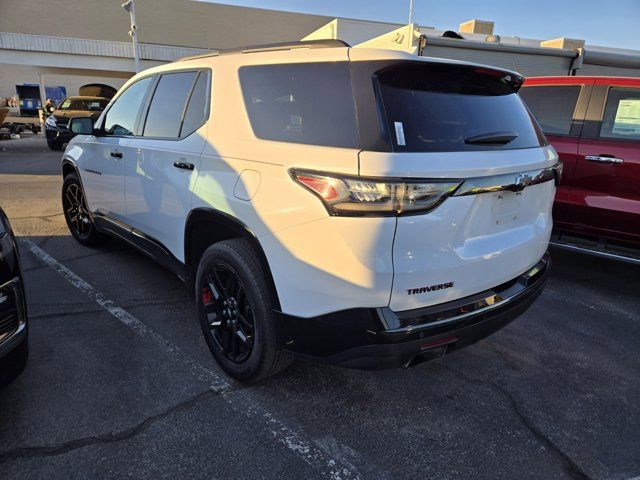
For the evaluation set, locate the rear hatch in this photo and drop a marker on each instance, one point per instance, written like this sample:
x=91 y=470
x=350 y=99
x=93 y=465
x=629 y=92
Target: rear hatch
x=464 y=125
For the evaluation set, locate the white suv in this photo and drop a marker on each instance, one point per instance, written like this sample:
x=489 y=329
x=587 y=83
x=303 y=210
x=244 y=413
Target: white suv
x=363 y=207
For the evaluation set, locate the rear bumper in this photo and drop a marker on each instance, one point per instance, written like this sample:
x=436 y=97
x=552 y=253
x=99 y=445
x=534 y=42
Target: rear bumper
x=380 y=338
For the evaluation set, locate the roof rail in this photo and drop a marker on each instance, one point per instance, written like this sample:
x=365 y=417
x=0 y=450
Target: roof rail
x=272 y=47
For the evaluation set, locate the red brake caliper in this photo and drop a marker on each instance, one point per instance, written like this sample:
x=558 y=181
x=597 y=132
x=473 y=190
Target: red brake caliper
x=207 y=296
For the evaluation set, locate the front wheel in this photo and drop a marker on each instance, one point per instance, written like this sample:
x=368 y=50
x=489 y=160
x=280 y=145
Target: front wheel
x=54 y=145
x=13 y=363
x=76 y=212
x=236 y=312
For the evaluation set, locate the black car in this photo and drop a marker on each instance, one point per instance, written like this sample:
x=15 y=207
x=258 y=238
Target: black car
x=56 y=124
x=13 y=310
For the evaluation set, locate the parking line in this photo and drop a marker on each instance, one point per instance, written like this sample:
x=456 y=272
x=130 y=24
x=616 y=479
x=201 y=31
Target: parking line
x=239 y=400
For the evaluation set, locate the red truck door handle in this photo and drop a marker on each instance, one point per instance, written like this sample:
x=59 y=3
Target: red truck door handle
x=604 y=159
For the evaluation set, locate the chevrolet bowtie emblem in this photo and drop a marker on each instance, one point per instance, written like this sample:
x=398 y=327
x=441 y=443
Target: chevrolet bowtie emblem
x=520 y=182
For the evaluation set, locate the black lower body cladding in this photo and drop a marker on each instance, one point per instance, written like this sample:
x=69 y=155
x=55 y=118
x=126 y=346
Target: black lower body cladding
x=380 y=338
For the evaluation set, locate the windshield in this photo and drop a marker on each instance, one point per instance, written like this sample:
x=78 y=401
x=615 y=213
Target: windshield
x=89 y=104
x=442 y=108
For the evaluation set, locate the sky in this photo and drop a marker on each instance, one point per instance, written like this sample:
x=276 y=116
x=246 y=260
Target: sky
x=599 y=22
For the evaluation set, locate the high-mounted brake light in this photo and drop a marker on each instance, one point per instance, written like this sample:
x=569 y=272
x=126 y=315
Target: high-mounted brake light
x=355 y=196
x=490 y=72
x=513 y=79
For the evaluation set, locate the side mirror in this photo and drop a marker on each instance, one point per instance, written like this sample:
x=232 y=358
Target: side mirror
x=81 y=125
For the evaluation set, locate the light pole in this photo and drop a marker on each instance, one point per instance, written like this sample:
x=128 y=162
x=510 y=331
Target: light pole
x=133 y=33
x=410 y=11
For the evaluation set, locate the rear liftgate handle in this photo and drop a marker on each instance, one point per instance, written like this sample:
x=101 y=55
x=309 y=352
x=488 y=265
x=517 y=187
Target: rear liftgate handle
x=604 y=158
x=116 y=154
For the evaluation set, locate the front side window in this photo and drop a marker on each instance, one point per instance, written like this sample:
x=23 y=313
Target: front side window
x=445 y=108
x=622 y=114
x=553 y=106
x=309 y=103
x=121 y=118
x=167 y=108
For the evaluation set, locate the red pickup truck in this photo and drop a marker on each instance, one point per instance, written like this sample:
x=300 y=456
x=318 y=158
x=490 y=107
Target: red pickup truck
x=594 y=124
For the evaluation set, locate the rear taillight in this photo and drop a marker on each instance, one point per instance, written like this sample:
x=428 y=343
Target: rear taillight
x=355 y=196
x=557 y=168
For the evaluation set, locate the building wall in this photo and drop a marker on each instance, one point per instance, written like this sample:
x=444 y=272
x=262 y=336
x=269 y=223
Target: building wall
x=11 y=75
x=169 y=22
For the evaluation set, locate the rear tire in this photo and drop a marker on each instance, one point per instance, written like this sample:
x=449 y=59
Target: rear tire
x=54 y=145
x=76 y=212
x=235 y=309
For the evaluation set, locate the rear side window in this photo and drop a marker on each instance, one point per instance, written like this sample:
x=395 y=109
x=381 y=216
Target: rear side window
x=308 y=103
x=121 y=117
x=444 y=108
x=197 y=108
x=622 y=114
x=553 y=106
x=167 y=108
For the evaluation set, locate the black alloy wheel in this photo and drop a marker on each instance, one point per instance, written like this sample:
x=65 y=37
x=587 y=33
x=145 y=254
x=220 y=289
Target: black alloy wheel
x=76 y=212
x=235 y=308
x=228 y=312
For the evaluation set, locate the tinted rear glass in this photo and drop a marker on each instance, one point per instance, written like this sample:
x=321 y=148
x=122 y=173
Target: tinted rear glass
x=553 y=106
x=443 y=108
x=307 y=103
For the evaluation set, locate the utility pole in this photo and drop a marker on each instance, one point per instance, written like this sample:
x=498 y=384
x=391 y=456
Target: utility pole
x=133 y=33
x=410 y=11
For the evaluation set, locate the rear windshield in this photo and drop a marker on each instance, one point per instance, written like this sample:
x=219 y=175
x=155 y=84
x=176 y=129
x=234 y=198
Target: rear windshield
x=308 y=103
x=444 y=108
x=88 y=104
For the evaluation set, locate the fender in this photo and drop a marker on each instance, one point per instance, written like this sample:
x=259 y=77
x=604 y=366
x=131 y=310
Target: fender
x=69 y=166
x=227 y=227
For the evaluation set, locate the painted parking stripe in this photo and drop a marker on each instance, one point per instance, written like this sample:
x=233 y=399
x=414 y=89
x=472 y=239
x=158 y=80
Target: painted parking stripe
x=294 y=440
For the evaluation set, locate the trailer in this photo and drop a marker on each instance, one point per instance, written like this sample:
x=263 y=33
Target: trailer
x=16 y=125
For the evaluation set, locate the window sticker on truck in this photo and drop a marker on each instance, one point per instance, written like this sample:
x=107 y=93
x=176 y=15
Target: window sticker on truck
x=399 y=133
x=627 y=121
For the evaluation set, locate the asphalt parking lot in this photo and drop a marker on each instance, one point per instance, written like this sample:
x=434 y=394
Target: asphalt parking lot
x=120 y=383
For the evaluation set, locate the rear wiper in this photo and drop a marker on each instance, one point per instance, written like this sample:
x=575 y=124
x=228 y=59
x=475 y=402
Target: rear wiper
x=494 y=138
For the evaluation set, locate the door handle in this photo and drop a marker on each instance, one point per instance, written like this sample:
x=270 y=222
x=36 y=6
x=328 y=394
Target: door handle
x=116 y=154
x=183 y=165
x=604 y=159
